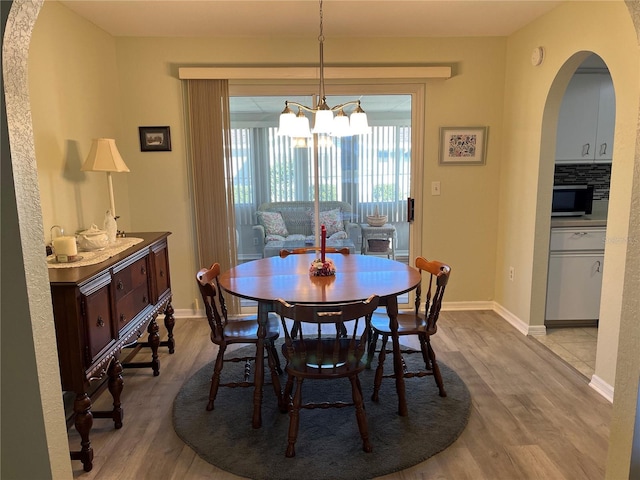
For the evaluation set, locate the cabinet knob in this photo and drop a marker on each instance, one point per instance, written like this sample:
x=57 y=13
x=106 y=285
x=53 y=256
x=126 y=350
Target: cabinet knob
x=603 y=149
x=585 y=149
x=143 y=270
x=598 y=265
x=100 y=322
x=162 y=273
x=120 y=285
x=122 y=318
x=144 y=299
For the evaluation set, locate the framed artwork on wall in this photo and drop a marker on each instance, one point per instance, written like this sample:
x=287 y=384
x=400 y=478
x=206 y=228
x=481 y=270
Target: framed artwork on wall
x=463 y=145
x=155 y=139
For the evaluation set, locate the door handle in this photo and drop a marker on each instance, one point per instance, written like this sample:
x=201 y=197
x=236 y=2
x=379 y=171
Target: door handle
x=585 y=149
x=410 y=209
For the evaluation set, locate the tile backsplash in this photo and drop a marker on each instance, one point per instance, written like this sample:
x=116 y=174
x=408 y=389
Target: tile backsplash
x=598 y=175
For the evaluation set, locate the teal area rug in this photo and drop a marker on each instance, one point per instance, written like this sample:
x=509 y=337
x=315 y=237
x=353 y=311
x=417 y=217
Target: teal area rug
x=329 y=445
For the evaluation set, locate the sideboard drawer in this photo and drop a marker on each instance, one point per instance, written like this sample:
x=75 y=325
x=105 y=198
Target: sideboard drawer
x=131 y=305
x=130 y=278
x=97 y=318
x=162 y=270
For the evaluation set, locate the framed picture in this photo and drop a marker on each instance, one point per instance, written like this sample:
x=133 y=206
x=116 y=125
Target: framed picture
x=463 y=145
x=155 y=139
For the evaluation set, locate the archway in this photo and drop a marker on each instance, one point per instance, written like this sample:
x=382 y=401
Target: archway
x=555 y=263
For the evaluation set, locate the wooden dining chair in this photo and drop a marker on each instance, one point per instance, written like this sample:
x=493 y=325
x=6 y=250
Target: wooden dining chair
x=324 y=355
x=422 y=324
x=285 y=253
x=227 y=331
x=296 y=251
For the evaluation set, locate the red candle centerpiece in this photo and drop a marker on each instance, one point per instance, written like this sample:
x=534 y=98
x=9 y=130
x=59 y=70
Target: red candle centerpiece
x=322 y=267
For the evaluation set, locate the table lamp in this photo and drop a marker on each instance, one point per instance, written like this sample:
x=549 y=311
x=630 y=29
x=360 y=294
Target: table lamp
x=104 y=157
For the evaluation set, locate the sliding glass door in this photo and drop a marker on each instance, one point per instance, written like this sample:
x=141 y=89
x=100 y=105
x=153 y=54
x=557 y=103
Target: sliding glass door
x=367 y=171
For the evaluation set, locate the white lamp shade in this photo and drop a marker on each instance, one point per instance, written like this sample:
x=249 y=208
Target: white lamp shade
x=286 y=124
x=104 y=157
x=340 y=127
x=359 y=124
x=323 y=121
x=300 y=127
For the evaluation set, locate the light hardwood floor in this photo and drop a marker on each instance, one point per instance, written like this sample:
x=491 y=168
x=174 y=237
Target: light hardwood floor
x=533 y=416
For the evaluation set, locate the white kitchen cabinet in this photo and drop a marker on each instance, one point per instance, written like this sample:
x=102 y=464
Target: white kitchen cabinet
x=575 y=280
x=586 y=120
x=576 y=261
x=606 y=121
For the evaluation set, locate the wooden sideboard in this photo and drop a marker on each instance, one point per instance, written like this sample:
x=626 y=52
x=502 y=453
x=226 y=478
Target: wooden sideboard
x=100 y=309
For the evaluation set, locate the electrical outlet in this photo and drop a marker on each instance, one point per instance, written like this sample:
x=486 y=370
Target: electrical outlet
x=512 y=273
x=435 y=188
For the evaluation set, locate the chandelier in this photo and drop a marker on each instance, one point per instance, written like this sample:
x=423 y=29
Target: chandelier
x=297 y=125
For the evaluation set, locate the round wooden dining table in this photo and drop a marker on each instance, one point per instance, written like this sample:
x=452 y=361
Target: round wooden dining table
x=357 y=277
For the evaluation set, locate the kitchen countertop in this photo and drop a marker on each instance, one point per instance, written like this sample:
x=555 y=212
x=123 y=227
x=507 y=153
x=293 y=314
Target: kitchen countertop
x=598 y=217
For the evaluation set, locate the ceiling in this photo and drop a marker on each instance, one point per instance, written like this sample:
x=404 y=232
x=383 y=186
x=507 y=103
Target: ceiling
x=300 y=18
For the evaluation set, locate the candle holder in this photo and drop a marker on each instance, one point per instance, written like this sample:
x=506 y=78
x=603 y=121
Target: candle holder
x=319 y=268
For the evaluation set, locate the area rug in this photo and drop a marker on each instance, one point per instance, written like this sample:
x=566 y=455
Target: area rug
x=329 y=445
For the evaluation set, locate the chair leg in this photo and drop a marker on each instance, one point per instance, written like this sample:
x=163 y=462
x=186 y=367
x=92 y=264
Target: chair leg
x=436 y=370
x=371 y=348
x=277 y=358
x=272 y=360
x=215 y=377
x=294 y=419
x=288 y=388
x=361 y=415
x=377 y=382
x=425 y=351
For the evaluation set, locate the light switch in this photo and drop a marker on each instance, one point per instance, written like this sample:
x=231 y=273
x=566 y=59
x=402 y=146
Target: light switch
x=435 y=188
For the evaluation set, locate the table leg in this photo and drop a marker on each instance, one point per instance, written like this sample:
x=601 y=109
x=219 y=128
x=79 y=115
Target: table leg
x=392 y=311
x=263 y=315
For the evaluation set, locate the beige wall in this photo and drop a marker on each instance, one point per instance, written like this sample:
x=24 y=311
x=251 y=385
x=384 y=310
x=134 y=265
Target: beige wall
x=75 y=97
x=488 y=212
x=532 y=97
x=527 y=166
x=78 y=70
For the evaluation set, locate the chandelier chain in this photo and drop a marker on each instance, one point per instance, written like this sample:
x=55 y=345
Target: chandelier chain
x=322 y=98
x=297 y=125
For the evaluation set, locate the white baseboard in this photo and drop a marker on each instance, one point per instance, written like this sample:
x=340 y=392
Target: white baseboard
x=599 y=385
x=461 y=306
x=188 y=313
x=602 y=387
x=512 y=319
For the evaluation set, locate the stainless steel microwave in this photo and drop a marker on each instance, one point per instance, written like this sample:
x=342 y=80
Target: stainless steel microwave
x=572 y=200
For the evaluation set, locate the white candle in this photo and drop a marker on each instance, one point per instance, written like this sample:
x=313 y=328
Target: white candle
x=65 y=246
